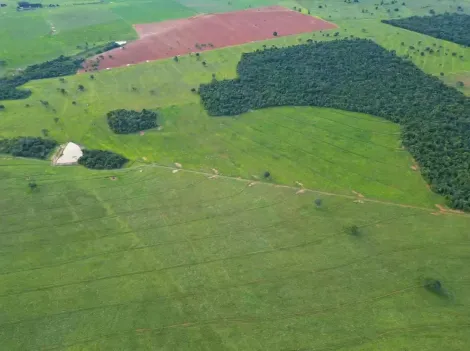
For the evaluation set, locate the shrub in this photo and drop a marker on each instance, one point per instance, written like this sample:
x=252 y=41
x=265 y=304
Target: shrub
x=34 y=147
x=99 y=159
x=129 y=121
x=353 y=230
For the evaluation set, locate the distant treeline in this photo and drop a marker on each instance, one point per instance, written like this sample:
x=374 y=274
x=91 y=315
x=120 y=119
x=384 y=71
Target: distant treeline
x=360 y=76
x=100 y=159
x=61 y=66
x=27 y=147
x=449 y=26
x=129 y=121
x=25 y=5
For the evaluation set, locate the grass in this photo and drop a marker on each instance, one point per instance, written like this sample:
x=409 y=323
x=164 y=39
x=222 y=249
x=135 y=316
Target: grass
x=157 y=260
x=22 y=33
x=188 y=263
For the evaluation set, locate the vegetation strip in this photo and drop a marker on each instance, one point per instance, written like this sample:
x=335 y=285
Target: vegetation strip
x=449 y=26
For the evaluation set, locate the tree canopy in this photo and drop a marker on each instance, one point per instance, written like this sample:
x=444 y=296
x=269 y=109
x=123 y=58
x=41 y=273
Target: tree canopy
x=101 y=159
x=28 y=147
x=129 y=121
x=449 y=26
x=360 y=76
x=61 y=66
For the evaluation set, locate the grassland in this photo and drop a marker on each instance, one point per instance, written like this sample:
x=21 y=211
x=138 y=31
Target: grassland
x=22 y=33
x=178 y=261
x=156 y=260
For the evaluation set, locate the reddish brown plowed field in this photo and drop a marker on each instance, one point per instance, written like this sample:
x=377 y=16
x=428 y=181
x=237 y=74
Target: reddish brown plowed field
x=179 y=37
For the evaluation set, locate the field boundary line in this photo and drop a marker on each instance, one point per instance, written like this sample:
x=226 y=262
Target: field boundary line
x=315 y=191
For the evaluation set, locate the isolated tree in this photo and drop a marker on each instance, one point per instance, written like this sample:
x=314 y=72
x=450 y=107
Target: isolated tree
x=62 y=80
x=27 y=105
x=32 y=185
x=92 y=77
x=2 y=107
x=353 y=230
x=152 y=92
x=74 y=102
x=176 y=59
x=275 y=34
x=45 y=132
x=56 y=119
x=193 y=90
x=81 y=87
x=134 y=89
x=204 y=63
x=63 y=91
x=266 y=174
x=318 y=202
x=460 y=84
x=44 y=103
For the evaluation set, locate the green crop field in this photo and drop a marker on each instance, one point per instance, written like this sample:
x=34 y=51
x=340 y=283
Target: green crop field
x=332 y=252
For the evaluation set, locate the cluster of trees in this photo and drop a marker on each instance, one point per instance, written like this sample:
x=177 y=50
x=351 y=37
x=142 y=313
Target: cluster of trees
x=28 y=147
x=101 y=159
x=25 y=5
x=449 y=26
x=129 y=121
x=61 y=66
x=360 y=76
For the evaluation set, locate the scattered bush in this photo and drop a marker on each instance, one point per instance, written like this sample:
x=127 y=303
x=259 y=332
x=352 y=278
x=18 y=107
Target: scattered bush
x=99 y=159
x=34 y=147
x=353 y=230
x=128 y=121
x=360 y=76
x=266 y=174
x=449 y=26
x=318 y=202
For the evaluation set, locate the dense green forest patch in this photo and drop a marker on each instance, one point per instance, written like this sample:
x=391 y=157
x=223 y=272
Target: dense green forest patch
x=61 y=66
x=101 y=159
x=360 y=76
x=128 y=121
x=27 y=147
x=449 y=26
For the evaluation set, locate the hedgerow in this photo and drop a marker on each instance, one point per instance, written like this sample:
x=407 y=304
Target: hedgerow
x=61 y=66
x=360 y=76
x=27 y=147
x=129 y=121
x=449 y=26
x=101 y=159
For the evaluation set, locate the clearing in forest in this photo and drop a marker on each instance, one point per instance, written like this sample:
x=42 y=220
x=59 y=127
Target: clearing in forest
x=206 y=32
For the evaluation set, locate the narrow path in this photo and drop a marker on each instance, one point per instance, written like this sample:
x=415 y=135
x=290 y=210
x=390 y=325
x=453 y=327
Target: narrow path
x=352 y=197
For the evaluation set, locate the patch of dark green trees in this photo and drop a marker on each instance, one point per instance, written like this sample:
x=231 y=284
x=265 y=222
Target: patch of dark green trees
x=360 y=76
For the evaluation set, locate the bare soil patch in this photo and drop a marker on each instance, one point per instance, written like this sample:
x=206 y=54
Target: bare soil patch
x=207 y=32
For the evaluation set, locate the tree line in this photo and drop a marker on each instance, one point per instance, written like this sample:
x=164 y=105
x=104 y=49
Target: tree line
x=449 y=26
x=128 y=121
x=34 y=147
x=360 y=76
x=61 y=66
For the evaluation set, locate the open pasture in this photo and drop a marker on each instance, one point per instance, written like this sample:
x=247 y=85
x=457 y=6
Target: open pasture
x=154 y=259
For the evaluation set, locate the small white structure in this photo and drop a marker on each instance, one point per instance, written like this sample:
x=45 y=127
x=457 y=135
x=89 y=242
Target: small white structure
x=68 y=155
x=121 y=43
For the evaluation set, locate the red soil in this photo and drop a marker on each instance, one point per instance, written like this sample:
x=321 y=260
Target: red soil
x=179 y=37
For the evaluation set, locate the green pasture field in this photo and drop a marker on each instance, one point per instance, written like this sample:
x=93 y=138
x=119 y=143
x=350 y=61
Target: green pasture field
x=27 y=37
x=159 y=261
x=143 y=258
